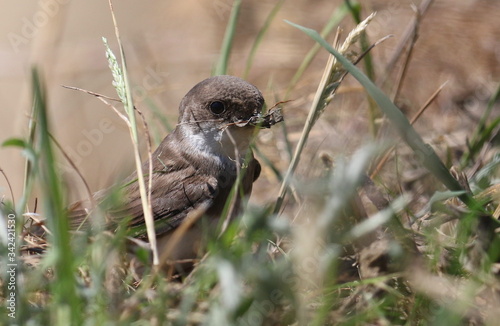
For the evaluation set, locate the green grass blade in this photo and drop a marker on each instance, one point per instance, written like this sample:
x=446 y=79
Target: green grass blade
x=29 y=164
x=482 y=132
x=424 y=152
x=260 y=36
x=355 y=10
x=334 y=20
x=65 y=303
x=159 y=116
x=227 y=43
x=31 y=161
x=264 y=159
x=332 y=76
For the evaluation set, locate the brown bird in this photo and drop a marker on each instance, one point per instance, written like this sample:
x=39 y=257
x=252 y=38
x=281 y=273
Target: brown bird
x=195 y=166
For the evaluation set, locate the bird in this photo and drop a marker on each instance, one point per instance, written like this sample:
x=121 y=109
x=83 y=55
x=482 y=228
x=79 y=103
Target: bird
x=195 y=166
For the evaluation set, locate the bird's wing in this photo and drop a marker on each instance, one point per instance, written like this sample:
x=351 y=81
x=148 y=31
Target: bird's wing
x=175 y=195
x=178 y=189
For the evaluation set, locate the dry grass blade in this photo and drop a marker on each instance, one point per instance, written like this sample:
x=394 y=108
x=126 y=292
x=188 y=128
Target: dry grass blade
x=73 y=165
x=38 y=220
x=407 y=35
x=129 y=108
x=177 y=235
x=429 y=158
x=414 y=37
x=333 y=21
x=9 y=185
x=103 y=98
x=311 y=119
x=332 y=75
x=91 y=93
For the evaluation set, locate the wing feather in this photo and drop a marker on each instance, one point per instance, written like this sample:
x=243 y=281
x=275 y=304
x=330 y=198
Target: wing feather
x=178 y=188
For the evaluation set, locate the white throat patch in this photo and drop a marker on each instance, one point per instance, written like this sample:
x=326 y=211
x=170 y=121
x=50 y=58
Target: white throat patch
x=230 y=142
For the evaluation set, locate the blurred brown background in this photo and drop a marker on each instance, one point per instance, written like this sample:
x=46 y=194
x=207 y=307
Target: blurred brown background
x=170 y=46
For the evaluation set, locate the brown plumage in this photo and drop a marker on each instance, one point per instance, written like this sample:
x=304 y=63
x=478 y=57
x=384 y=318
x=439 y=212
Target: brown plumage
x=196 y=165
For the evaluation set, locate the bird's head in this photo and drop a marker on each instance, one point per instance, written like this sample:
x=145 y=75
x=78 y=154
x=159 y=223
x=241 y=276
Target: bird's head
x=216 y=113
x=220 y=101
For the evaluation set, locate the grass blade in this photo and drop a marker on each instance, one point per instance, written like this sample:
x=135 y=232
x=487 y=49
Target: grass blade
x=424 y=152
x=227 y=43
x=260 y=36
x=65 y=304
x=332 y=76
x=122 y=85
x=334 y=20
x=482 y=132
x=355 y=10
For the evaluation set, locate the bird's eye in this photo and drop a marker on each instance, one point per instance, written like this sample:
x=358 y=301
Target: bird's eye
x=217 y=107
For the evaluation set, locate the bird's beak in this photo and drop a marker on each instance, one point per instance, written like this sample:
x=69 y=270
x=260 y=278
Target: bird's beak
x=262 y=121
x=252 y=121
